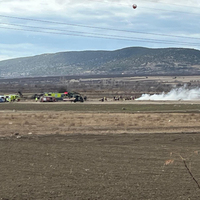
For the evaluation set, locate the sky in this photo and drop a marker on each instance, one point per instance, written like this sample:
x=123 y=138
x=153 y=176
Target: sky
x=34 y=27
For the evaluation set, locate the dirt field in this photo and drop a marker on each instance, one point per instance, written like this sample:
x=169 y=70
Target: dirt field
x=99 y=151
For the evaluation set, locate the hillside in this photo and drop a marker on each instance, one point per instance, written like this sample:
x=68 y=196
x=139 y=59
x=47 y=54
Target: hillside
x=133 y=60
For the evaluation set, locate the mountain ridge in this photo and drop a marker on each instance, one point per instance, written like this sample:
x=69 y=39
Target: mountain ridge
x=130 y=60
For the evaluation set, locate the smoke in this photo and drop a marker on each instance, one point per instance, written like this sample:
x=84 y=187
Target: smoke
x=181 y=93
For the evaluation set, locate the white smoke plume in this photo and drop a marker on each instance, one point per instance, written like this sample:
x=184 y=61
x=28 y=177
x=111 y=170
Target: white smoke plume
x=181 y=93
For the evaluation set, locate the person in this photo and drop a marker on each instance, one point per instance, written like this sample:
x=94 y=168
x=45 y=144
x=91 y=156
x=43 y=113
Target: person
x=36 y=99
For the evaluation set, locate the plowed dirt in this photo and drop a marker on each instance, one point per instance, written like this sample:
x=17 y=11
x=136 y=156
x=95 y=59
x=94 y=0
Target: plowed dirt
x=99 y=155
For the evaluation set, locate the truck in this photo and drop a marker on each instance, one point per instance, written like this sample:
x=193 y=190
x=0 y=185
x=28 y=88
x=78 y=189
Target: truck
x=66 y=96
x=11 y=97
x=58 y=96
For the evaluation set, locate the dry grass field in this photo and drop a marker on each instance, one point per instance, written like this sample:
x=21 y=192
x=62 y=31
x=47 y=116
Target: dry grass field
x=48 y=123
x=99 y=151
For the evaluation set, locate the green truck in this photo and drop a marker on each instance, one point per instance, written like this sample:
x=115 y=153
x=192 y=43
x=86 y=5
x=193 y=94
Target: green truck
x=11 y=97
x=66 y=96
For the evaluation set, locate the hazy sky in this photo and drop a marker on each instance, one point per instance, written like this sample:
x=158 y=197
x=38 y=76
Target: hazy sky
x=32 y=27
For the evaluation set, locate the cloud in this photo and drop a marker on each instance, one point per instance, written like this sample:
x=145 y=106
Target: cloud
x=8 y=51
x=4 y=57
x=65 y=7
x=96 y=17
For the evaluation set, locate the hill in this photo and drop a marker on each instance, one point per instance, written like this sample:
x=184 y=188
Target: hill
x=132 y=60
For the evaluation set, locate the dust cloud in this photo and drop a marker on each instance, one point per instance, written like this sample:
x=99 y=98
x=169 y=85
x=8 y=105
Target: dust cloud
x=181 y=93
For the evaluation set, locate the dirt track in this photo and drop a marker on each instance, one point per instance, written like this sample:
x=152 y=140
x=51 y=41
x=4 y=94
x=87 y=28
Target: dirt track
x=99 y=155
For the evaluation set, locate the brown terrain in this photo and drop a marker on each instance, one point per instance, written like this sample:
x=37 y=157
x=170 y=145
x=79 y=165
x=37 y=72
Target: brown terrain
x=100 y=150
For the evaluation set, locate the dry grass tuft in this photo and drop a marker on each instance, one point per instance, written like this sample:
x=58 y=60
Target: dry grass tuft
x=169 y=162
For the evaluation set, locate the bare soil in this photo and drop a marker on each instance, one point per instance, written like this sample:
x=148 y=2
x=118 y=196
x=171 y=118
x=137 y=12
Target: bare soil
x=98 y=154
